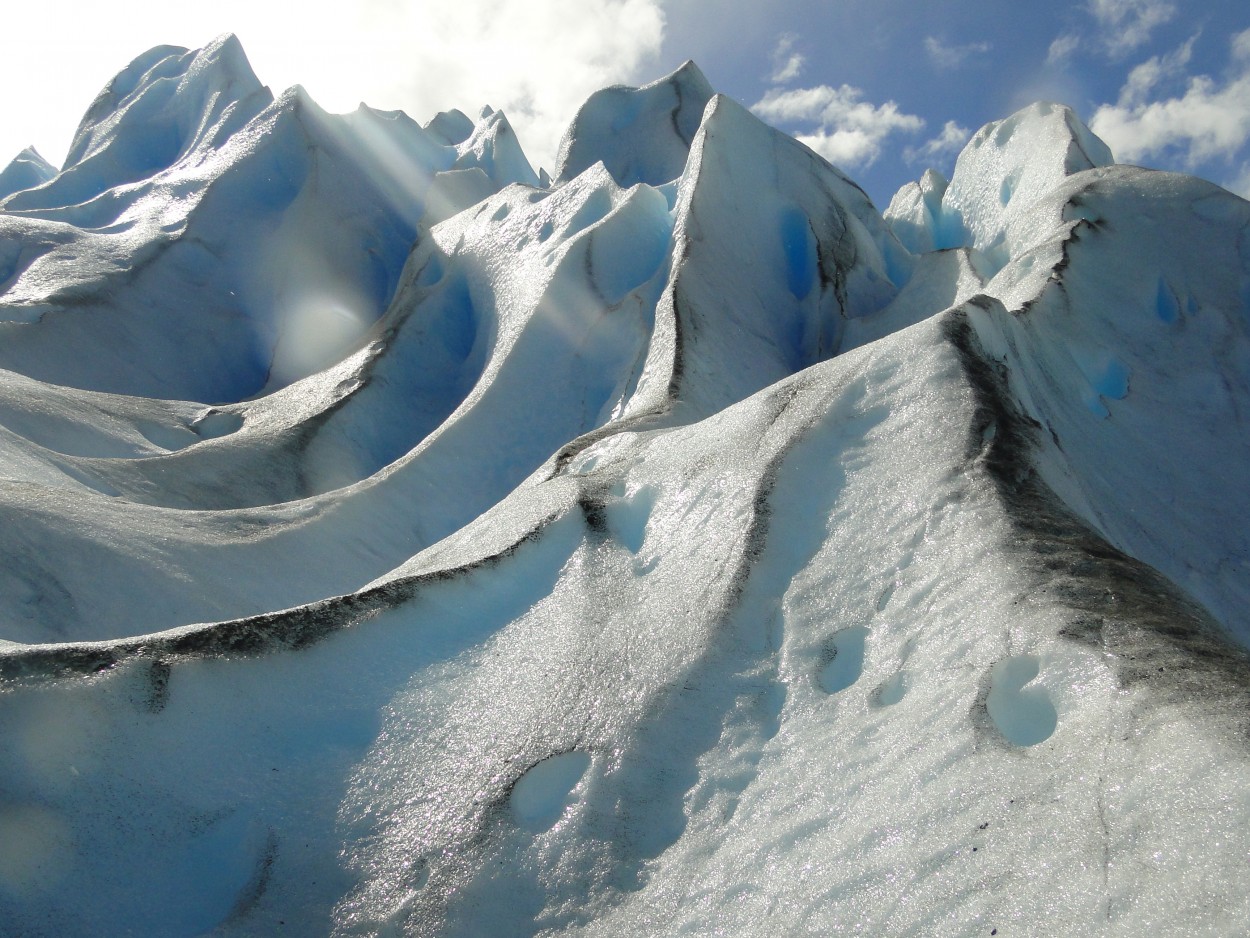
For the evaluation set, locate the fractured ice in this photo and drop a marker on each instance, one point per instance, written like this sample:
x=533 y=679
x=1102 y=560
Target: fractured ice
x=398 y=540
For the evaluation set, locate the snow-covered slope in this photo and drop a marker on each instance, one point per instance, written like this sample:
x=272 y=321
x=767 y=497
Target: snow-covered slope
x=399 y=542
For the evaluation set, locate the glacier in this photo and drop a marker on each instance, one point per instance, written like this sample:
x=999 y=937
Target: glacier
x=401 y=540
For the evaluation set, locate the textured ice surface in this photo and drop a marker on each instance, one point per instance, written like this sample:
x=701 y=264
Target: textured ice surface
x=992 y=198
x=639 y=134
x=27 y=170
x=396 y=542
x=915 y=210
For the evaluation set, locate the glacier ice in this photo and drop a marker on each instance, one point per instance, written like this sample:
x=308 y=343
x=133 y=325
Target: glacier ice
x=641 y=135
x=27 y=170
x=401 y=541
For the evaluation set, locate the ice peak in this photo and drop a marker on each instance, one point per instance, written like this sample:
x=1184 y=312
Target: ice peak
x=640 y=134
x=687 y=75
x=1005 y=168
x=27 y=170
x=933 y=181
x=1010 y=164
x=119 y=87
x=494 y=148
x=1053 y=127
x=450 y=127
x=914 y=210
x=194 y=79
x=165 y=104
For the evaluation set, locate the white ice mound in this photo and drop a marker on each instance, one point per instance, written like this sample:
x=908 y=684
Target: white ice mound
x=27 y=170
x=914 y=211
x=1000 y=175
x=165 y=104
x=640 y=134
x=450 y=127
x=774 y=250
x=392 y=543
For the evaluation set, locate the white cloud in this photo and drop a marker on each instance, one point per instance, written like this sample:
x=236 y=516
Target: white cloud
x=787 y=63
x=950 y=141
x=1127 y=24
x=945 y=55
x=1241 y=46
x=1209 y=120
x=536 y=61
x=1147 y=76
x=1121 y=27
x=843 y=147
x=1062 y=48
x=850 y=130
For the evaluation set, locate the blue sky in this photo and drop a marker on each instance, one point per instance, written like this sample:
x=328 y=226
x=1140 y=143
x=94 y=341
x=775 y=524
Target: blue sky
x=883 y=88
x=1164 y=82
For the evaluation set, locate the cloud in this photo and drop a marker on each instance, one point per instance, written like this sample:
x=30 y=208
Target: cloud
x=1147 y=76
x=950 y=141
x=1127 y=24
x=1209 y=120
x=1122 y=26
x=849 y=129
x=787 y=64
x=1241 y=46
x=952 y=56
x=468 y=53
x=1062 y=48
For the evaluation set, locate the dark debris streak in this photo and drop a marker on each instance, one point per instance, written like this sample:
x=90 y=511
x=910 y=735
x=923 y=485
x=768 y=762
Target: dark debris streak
x=252 y=636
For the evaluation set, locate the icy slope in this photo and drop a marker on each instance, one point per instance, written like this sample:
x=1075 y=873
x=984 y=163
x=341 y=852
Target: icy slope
x=593 y=302
x=676 y=548
x=281 y=229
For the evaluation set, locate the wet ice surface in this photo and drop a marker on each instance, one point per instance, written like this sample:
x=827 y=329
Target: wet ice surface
x=668 y=550
x=541 y=795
